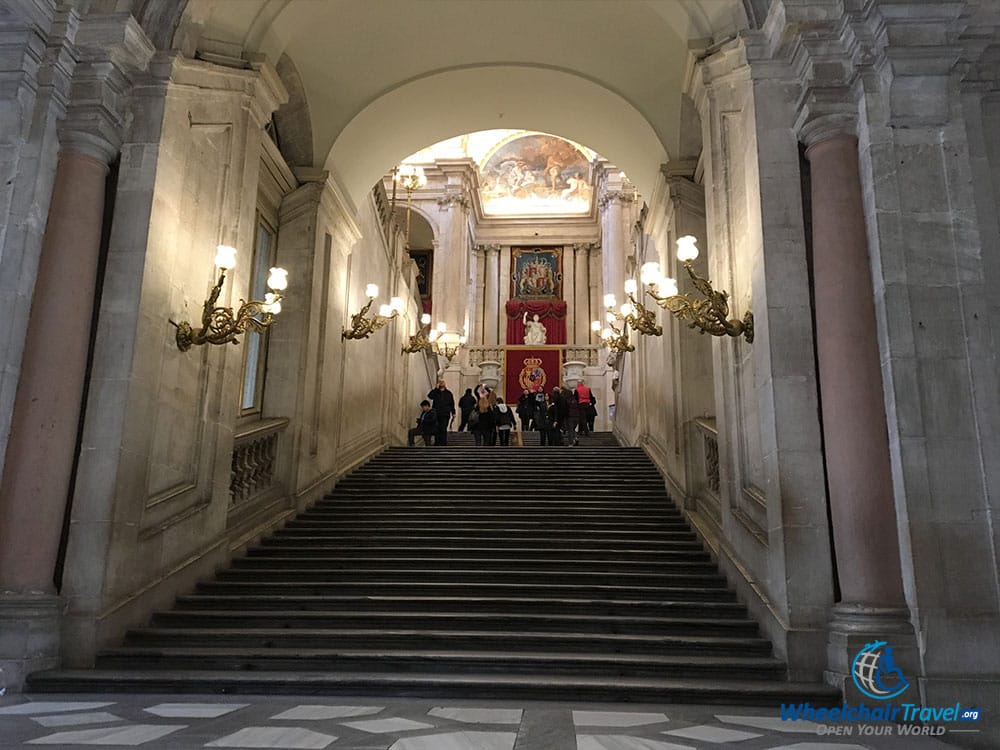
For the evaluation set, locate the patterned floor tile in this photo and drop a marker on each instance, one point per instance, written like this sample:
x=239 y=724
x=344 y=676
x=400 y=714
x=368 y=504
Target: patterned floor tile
x=381 y=726
x=616 y=718
x=458 y=741
x=623 y=742
x=479 y=715
x=69 y=720
x=290 y=738
x=717 y=735
x=771 y=723
x=194 y=710
x=318 y=713
x=136 y=734
x=49 y=707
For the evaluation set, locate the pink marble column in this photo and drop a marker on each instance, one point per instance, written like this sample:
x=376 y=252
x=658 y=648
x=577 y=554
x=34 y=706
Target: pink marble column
x=47 y=406
x=854 y=420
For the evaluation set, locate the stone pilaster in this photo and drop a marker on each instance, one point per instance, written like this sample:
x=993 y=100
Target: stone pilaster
x=581 y=292
x=569 y=293
x=492 y=295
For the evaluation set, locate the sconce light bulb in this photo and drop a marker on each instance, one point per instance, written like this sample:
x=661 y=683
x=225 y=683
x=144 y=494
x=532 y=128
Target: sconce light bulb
x=277 y=279
x=434 y=334
x=627 y=309
x=631 y=287
x=225 y=257
x=606 y=333
x=371 y=291
x=425 y=319
x=595 y=326
x=610 y=300
x=610 y=316
x=384 y=310
x=687 y=249
x=396 y=304
x=651 y=273
x=667 y=288
x=462 y=339
x=442 y=327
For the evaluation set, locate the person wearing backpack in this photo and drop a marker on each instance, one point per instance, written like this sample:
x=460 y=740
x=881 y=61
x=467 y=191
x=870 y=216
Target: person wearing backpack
x=505 y=421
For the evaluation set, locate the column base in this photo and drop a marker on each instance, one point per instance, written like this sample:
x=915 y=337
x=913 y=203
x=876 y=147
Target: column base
x=854 y=626
x=30 y=626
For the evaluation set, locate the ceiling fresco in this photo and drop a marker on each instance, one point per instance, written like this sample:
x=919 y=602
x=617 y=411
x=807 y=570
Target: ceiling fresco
x=536 y=174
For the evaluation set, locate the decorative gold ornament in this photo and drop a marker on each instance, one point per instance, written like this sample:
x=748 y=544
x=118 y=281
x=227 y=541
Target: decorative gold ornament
x=362 y=327
x=420 y=341
x=220 y=325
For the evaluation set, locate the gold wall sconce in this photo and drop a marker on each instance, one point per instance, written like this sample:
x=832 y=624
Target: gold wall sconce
x=420 y=341
x=362 y=327
x=614 y=338
x=446 y=343
x=709 y=315
x=220 y=325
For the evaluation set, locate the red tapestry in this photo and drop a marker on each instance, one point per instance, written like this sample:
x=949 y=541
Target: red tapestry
x=530 y=368
x=551 y=314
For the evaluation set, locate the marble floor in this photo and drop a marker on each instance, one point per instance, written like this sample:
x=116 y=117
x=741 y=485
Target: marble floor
x=178 y=722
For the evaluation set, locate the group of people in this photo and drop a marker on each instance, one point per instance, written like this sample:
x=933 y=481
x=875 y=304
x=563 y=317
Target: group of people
x=560 y=417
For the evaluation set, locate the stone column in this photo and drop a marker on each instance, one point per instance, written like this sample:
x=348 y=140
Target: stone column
x=596 y=283
x=450 y=260
x=40 y=451
x=853 y=408
x=504 y=283
x=492 y=295
x=47 y=406
x=480 y=282
x=581 y=301
x=569 y=287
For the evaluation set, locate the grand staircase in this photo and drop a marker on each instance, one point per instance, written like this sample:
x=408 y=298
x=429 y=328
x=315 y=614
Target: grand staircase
x=529 y=573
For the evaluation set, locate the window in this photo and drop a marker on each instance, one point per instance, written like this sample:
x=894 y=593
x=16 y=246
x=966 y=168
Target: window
x=255 y=344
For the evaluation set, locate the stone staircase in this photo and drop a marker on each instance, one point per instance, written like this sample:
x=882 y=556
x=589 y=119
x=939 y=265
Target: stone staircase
x=491 y=572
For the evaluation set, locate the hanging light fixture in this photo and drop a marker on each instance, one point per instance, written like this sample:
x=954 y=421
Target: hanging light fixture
x=421 y=340
x=220 y=325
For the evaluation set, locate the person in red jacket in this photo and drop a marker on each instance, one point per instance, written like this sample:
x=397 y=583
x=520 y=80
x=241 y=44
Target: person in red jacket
x=588 y=411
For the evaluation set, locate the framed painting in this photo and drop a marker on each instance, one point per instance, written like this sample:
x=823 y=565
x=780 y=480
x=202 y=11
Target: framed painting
x=536 y=273
x=425 y=267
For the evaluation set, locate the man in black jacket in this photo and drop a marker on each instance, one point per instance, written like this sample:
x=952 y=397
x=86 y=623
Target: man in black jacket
x=444 y=405
x=426 y=424
x=465 y=405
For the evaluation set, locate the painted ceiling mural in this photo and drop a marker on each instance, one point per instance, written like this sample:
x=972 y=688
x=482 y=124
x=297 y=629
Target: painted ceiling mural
x=535 y=174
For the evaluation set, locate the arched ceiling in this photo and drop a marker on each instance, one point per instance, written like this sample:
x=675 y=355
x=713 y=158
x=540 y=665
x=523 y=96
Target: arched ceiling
x=385 y=78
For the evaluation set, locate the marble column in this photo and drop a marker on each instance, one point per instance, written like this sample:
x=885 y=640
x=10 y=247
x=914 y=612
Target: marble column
x=613 y=241
x=45 y=421
x=569 y=287
x=853 y=408
x=49 y=396
x=504 y=284
x=480 y=281
x=581 y=302
x=450 y=264
x=596 y=284
x=492 y=295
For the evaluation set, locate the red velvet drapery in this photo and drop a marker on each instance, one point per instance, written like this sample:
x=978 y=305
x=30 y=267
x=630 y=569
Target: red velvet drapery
x=551 y=314
x=534 y=369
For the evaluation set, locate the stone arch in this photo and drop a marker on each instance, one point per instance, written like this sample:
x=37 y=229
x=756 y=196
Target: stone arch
x=507 y=97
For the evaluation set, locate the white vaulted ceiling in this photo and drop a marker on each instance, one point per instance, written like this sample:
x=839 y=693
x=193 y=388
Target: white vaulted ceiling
x=385 y=78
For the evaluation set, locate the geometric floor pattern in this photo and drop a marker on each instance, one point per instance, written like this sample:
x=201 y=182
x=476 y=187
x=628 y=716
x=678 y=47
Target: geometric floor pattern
x=188 y=722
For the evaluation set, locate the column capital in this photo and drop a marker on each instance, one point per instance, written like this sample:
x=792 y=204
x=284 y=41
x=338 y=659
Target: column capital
x=446 y=202
x=826 y=128
x=611 y=196
x=489 y=248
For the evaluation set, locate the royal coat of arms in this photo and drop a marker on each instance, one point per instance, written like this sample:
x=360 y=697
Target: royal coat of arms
x=532 y=376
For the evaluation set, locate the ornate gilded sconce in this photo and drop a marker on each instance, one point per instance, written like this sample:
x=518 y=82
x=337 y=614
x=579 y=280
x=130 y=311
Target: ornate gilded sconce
x=446 y=343
x=220 y=325
x=362 y=327
x=421 y=339
x=614 y=338
x=709 y=315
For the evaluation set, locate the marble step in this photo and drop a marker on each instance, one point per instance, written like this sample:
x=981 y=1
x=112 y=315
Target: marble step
x=335 y=560
x=481 y=621
x=509 y=605
x=478 y=588
x=664 y=551
x=511 y=641
x=454 y=662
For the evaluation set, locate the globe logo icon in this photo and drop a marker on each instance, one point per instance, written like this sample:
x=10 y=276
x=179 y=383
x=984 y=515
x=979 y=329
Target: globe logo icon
x=875 y=673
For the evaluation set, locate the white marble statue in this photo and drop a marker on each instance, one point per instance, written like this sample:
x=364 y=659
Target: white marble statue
x=534 y=331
